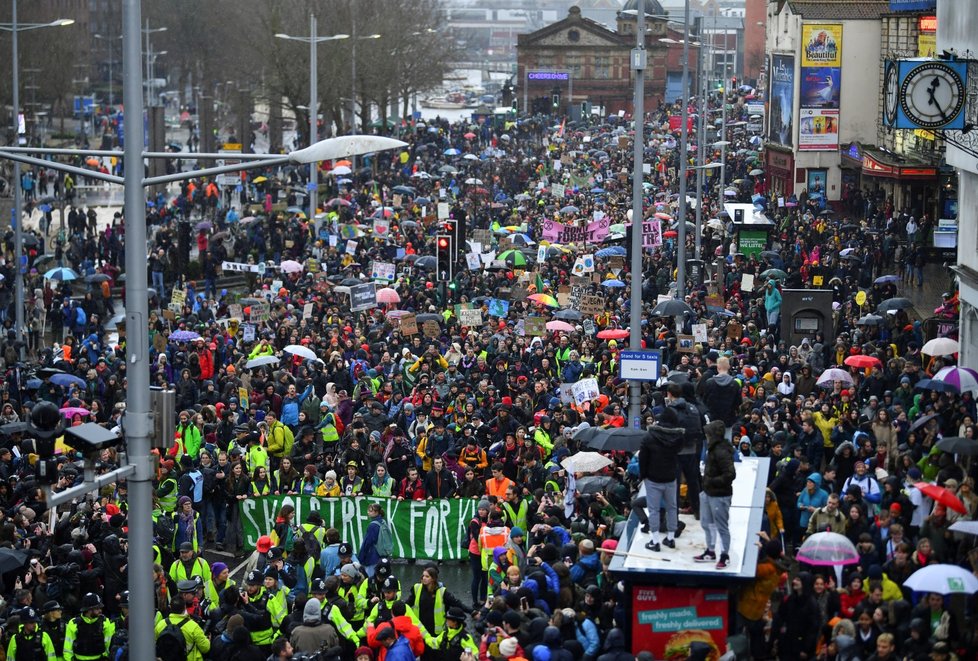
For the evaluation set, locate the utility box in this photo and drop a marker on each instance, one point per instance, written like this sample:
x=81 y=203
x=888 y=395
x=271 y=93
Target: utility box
x=805 y=312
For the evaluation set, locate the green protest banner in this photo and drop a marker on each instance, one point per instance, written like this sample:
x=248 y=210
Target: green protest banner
x=423 y=529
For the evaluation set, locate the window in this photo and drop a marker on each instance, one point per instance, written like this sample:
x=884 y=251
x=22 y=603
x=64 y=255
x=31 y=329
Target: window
x=602 y=66
x=573 y=36
x=574 y=65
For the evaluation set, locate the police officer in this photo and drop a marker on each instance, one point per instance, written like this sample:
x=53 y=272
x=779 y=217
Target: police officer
x=256 y=615
x=30 y=643
x=188 y=566
x=335 y=609
x=54 y=626
x=454 y=640
x=89 y=635
x=353 y=590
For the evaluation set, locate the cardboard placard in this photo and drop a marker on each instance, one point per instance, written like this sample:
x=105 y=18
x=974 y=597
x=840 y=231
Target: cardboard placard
x=307 y=311
x=470 y=318
x=685 y=343
x=518 y=293
x=498 y=307
x=591 y=304
x=382 y=271
x=585 y=390
x=260 y=312
x=169 y=315
x=734 y=330
x=235 y=311
x=482 y=237
x=747 y=282
x=563 y=298
x=699 y=332
x=159 y=343
x=431 y=329
x=535 y=326
x=409 y=324
x=243 y=400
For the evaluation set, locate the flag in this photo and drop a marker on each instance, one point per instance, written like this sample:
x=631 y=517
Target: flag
x=539 y=284
x=563 y=123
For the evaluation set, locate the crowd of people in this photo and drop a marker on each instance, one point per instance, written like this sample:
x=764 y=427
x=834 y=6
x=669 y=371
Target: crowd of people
x=478 y=412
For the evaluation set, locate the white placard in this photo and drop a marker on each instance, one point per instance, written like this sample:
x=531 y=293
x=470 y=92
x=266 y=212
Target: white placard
x=558 y=190
x=747 y=282
x=307 y=311
x=472 y=260
x=699 y=332
x=351 y=247
x=382 y=271
x=585 y=390
x=542 y=253
x=248 y=332
x=442 y=210
x=239 y=266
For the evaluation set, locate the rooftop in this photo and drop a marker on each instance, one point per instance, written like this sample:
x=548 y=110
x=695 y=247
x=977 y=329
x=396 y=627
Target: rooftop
x=839 y=9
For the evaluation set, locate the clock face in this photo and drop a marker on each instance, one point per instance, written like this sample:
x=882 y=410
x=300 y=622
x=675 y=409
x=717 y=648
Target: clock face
x=890 y=93
x=932 y=95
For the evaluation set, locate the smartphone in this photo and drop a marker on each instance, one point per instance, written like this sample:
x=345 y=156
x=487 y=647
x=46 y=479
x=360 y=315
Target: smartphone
x=523 y=603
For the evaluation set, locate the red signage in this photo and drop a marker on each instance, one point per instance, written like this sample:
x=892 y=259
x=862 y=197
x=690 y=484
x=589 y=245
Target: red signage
x=927 y=24
x=872 y=166
x=665 y=620
x=676 y=122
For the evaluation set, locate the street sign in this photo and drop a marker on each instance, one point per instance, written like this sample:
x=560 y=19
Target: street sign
x=640 y=365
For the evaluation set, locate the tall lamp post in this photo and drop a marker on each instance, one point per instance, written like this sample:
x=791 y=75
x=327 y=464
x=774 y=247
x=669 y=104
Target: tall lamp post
x=353 y=74
x=16 y=221
x=149 y=60
x=683 y=158
x=137 y=424
x=109 y=40
x=313 y=40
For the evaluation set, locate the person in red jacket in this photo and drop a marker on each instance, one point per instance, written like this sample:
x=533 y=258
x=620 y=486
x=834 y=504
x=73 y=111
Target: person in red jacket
x=206 y=360
x=411 y=487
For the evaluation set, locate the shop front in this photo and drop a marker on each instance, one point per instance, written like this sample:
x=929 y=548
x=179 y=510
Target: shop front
x=911 y=184
x=780 y=171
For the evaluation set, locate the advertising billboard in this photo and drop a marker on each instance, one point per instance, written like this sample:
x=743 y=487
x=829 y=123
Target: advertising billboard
x=666 y=620
x=820 y=87
x=781 y=123
x=821 y=45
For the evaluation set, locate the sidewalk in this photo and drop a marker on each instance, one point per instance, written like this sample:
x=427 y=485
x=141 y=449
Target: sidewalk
x=937 y=280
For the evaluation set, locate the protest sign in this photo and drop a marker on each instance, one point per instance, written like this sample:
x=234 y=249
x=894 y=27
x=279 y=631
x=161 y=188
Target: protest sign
x=591 y=304
x=382 y=271
x=536 y=326
x=597 y=230
x=235 y=311
x=442 y=210
x=248 y=332
x=566 y=393
x=472 y=261
x=424 y=529
x=685 y=343
x=585 y=390
x=243 y=398
x=747 y=282
x=470 y=318
x=498 y=307
x=409 y=324
x=589 y=327
x=381 y=227
x=260 y=312
x=699 y=332
x=518 y=292
x=239 y=266
x=651 y=234
x=541 y=253
x=363 y=297
x=431 y=329
x=481 y=236
x=307 y=311
x=351 y=247
x=557 y=190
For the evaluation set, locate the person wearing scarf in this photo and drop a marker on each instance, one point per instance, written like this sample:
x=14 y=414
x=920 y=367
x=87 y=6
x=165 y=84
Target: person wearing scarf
x=381 y=483
x=186 y=524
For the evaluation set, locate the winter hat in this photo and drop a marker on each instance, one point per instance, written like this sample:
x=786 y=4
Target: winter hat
x=364 y=651
x=313 y=612
x=507 y=647
x=217 y=568
x=330 y=475
x=349 y=570
x=484 y=505
x=183 y=500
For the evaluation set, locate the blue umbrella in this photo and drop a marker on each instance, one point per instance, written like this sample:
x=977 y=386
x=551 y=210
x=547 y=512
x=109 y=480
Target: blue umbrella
x=183 y=336
x=451 y=151
x=61 y=273
x=66 y=380
x=422 y=200
x=613 y=251
x=34 y=384
x=883 y=279
x=45 y=208
x=612 y=283
x=597 y=189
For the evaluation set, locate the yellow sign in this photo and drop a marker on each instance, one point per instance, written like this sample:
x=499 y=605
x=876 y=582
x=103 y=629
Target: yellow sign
x=924 y=134
x=821 y=45
x=861 y=298
x=232 y=146
x=926 y=44
x=817 y=280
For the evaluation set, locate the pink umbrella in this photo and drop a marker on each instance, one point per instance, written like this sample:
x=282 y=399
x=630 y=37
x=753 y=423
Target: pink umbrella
x=291 y=266
x=558 y=325
x=70 y=412
x=827 y=549
x=388 y=295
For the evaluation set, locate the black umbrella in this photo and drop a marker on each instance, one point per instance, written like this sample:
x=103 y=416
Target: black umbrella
x=616 y=438
x=568 y=315
x=430 y=316
x=671 y=308
x=593 y=483
x=12 y=560
x=351 y=282
x=939 y=386
x=97 y=278
x=894 y=304
x=849 y=228
x=922 y=421
x=12 y=428
x=30 y=240
x=48 y=372
x=958 y=445
x=770 y=254
x=426 y=262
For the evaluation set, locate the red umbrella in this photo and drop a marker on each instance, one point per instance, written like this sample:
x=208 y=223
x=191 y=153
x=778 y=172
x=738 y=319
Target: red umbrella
x=862 y=361
x=942 y=496
x=670 y=234
x=613 y=334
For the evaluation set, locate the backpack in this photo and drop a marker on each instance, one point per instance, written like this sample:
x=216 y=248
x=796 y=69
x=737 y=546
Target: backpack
x=311 y=543
x=165 y=528
x=385 y=540
x=170 y=644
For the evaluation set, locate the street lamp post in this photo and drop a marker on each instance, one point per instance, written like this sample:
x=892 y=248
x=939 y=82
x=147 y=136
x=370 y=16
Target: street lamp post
x=137 y=424
x=639 y=61
x=109 y=40
x=683 y=145
x=149 y=63
x=16 y=221
x=313 y=40
x=353 y=73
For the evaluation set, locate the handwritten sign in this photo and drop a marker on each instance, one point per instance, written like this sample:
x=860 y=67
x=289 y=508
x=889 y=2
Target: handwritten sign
x=260 y=312
x=557 y=190
x=235 y=311
x=409 y=324
x=307 y=311
x=591 y=304
x=248 y=332
x=382 y=271
x=239 y=266
x=585 y=390
x=381 y=227
x=535 y=326
x=470 y=318
x=699 y=332
x=651 y=234
x=685 y=343
x=442 y=210
x=431 y=329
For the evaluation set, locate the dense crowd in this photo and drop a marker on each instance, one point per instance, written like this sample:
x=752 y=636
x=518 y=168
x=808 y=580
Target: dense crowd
x=477 y=412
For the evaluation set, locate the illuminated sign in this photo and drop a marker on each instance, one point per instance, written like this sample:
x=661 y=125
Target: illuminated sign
x=548 y=75
x=927 y=24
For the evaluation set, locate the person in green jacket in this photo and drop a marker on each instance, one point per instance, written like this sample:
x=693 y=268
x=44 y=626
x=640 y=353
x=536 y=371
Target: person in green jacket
x=189 y=437
x=30 y=642
x=454 y=638
x=198 y=644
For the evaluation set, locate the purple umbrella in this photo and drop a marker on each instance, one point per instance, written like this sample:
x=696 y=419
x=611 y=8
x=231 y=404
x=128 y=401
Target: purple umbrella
x=962 y=378
x=183 y=336
x=827 y=549
x=830 y=376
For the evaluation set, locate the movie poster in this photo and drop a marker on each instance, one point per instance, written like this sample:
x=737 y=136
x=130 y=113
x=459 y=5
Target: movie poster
x=781 y=124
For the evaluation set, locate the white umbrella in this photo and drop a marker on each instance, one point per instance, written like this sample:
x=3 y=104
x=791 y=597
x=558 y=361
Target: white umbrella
x=261 y=361
x=299 y=350
x=942 y=579
x=585 y=462
x=472 y=181
x=291 y=266
x=941 y=346
x=831 y=375
x=341 y=170
x=966 y=527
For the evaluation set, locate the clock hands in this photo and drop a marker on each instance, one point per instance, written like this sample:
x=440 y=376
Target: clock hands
x=932 y=100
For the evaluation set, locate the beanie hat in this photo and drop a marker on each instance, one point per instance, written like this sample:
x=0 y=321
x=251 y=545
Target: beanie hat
x=313 y=612
x=507 y=647
x=234 y=622
x=363 y=651
x=484 y=505
x=517 y=532
x=217 y=568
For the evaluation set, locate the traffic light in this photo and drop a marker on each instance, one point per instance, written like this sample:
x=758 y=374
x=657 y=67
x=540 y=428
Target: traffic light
x=516 y=106
x=443 y=255
x=555 y=101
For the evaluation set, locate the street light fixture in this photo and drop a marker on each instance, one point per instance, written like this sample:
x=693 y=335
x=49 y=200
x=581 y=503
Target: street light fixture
x=13 y=28
x=313 y=40
x=137 y=424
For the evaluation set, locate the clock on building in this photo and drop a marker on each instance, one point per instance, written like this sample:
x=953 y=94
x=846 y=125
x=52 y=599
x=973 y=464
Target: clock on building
x=932 y=94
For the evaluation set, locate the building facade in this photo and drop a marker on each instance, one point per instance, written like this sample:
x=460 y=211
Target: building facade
x=578 y=63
